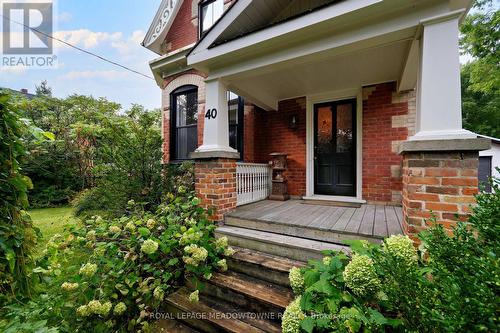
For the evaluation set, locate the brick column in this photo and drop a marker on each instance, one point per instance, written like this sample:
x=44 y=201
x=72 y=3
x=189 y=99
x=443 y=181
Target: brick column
x=215 y=185
x=440 y=180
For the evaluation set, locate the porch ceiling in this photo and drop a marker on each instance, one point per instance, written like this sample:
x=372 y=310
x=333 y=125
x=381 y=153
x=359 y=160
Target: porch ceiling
x=321 y=73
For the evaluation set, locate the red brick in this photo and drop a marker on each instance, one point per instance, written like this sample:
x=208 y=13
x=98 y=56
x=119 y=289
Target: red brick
x=459 y=181
x=447 y=207
x=442 y=190
x=424 y=180
x=460 y=199
x=470 y=190
x=424 y=197
x=443 y=172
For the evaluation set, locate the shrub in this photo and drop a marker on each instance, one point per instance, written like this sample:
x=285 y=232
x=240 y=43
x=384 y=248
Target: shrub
x=17 y=235
x=127 y=266
x=452 y=285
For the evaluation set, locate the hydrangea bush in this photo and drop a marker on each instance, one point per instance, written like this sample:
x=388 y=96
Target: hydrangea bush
x=450 y=284
x=129 y=265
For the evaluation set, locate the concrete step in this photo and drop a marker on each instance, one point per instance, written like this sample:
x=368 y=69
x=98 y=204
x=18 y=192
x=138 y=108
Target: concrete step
x=205 y=317
x=302 y=231
x=291 y=247
x=262 y=266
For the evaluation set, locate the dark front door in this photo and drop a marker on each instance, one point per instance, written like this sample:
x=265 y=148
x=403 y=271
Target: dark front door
x=335 y=148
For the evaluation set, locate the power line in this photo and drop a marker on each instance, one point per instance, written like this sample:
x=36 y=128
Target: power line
x=80 y=49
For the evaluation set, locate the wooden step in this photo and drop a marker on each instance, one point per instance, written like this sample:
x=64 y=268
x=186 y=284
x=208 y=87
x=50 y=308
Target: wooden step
x=277 y=244
x=268 y=322
x=172 y=326
x=248 y=291
x=302 y=231
x=331 y=203
x=204 y=317
x=263 y=266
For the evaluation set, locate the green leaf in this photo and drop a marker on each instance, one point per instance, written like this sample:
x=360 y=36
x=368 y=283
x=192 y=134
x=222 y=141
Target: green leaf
x=173 y=261
x=307 y=324
x=306 y=301
x=144 y=232
x=11 y=258
x=310 y=277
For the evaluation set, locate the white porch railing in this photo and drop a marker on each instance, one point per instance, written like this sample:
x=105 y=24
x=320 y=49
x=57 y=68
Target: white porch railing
x=252 y=182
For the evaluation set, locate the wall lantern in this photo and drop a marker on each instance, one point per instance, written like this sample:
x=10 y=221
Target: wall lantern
x=293 y=121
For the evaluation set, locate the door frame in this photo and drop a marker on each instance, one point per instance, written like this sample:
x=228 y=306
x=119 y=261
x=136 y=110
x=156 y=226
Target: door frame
x=333 y=107
x=311 y=100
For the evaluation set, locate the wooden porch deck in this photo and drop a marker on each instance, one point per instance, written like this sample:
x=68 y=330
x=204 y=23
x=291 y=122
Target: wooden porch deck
x=365 y=222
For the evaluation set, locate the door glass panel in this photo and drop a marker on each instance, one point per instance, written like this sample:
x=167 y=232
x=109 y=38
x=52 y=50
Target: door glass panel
x=344 y=128
x=325 y=134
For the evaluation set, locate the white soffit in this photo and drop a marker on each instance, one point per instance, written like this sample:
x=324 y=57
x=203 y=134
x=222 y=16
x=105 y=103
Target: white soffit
x=161 y=24
x=204 y=50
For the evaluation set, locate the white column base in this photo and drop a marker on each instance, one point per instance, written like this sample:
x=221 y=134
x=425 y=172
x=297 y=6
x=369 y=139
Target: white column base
x=443 y=135
x=214 y=151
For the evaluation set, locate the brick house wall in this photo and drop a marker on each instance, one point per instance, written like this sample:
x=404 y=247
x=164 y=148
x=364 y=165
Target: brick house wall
x=184 y=29
x=273 y=134
x=388 y=119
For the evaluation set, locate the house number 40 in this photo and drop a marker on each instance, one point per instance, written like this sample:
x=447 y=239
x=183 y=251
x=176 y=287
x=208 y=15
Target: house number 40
x=211 y=113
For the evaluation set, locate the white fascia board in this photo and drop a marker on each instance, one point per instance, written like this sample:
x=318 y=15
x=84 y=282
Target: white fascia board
x=202 y=52
x=363 y=37
x=229 y=16
x=161 y=24
x=169 y=64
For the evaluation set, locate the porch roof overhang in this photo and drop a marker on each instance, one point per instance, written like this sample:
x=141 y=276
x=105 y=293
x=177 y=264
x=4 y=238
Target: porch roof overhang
x=345 y=45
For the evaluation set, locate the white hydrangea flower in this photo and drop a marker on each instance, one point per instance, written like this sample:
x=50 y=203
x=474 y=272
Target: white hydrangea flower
x=401 y=247
x=222 y=265
x=229 y=251
x=119 y=308
x=194 y=296
x=83 y=311
x=292 y=317
x=130 y=226
x=296 y=280
x=68 y=286
x=195 y=254
x=221 y=242
x=149 y=246
x=88 y=269
x=360 y=276
x=150 y=223
x=114 y=229
x=91 y=235
x=158 y=293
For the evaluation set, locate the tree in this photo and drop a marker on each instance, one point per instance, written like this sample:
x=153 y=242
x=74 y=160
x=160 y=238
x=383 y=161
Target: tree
x=43 y=89
x=481 y=76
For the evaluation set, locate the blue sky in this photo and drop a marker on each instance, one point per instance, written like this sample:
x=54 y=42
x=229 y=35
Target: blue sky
x=111 y=28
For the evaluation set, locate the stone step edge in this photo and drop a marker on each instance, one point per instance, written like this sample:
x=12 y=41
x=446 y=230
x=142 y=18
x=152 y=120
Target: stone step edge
x=240 y=232
x=341 y=235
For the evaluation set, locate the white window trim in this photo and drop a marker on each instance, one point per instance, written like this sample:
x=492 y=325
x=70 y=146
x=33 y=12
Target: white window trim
x=329 y=97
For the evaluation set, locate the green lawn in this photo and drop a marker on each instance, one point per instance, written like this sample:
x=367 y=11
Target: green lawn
x=52 y=221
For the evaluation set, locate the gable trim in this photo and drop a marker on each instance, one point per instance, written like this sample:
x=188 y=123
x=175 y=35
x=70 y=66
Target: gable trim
x=161 y=24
